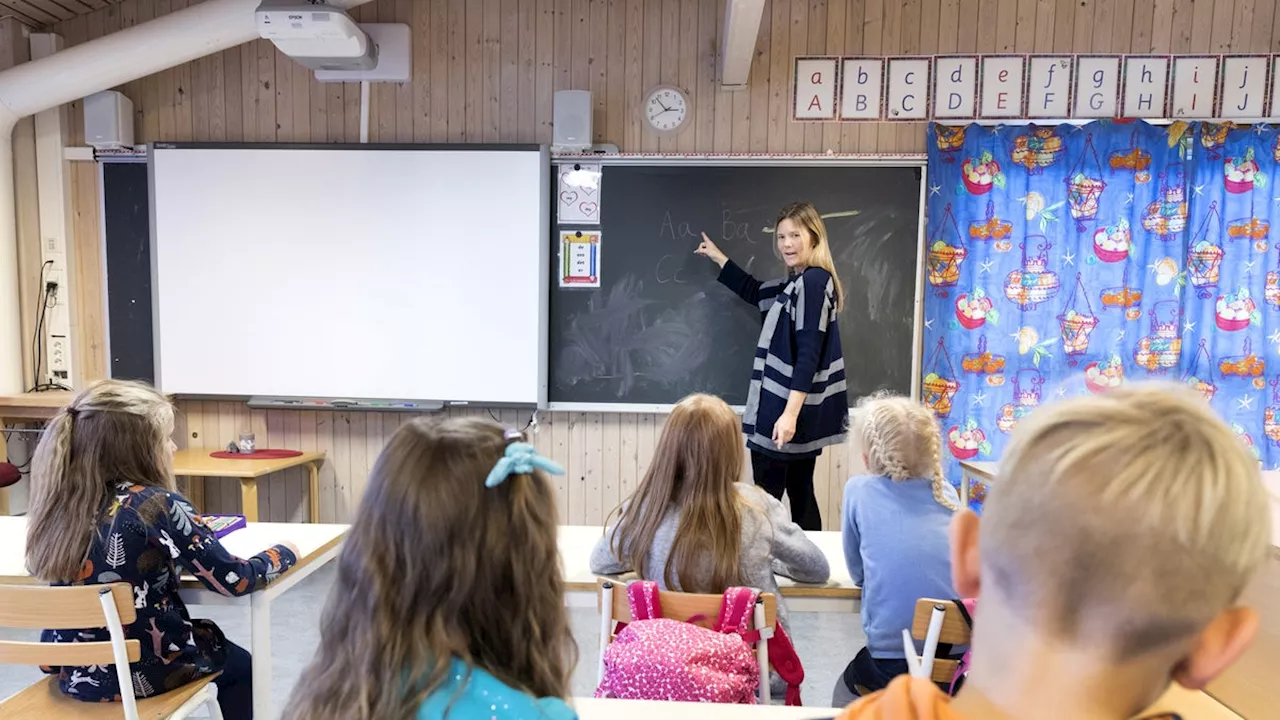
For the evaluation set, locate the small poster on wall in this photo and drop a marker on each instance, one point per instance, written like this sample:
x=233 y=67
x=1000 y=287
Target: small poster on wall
x=579 y=194
x=580 y=258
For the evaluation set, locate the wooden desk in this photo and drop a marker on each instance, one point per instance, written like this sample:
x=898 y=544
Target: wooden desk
x=839 y=594
x=317 y=545
x=1191 y=705
x=969 y=471
x=196 y=463
x=32 y=406
x=25 y=407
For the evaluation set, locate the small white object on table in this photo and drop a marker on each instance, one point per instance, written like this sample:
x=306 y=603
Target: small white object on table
x=837 y=595
x=317 y=545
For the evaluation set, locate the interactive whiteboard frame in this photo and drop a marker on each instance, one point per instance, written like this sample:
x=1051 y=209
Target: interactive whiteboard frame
x=541 y=353
x=915 y=160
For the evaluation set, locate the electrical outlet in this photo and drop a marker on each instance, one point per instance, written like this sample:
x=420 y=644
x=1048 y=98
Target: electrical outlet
x=59 y=354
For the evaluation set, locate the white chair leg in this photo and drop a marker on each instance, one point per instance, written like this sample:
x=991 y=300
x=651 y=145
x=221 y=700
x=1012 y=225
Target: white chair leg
x=207 y=698
x=606 y=626
x=213 y=708
x=762 y=651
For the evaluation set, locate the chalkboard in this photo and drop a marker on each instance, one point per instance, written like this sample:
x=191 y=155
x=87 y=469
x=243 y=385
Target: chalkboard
x=126 y=212
x=660 y=327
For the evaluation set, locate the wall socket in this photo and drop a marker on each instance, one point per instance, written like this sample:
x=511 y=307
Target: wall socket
x=59 y=355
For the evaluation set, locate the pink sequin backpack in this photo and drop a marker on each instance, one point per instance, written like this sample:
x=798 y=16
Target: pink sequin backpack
x=655 y=658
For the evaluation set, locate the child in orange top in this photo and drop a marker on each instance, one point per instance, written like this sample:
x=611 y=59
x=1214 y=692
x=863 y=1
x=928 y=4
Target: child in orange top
x=1119 y=534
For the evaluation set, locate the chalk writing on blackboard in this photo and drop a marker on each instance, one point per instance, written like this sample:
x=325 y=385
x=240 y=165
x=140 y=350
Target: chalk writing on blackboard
x=624 y=339
x=824 y=216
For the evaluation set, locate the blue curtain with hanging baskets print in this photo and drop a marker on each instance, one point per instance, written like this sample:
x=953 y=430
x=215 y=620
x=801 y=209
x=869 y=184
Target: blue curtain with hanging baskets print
x=1070 y=259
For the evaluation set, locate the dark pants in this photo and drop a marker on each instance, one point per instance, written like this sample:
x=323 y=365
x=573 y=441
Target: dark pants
x=873 y=674
x=235 y=684
x=795 y=478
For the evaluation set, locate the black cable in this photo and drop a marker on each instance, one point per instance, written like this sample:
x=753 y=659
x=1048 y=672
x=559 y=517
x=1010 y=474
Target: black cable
x=8 y=440
x=39 y=346
x=50 y=300
x=526 y=425
x=43 y=294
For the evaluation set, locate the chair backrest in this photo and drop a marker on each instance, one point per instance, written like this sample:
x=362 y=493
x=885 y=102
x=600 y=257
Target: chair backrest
x=615 y=607
x=678 y=606
x=87 y=606
x=954 y=631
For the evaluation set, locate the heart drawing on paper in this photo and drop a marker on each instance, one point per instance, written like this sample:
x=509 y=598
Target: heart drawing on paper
x=588 y=208
x=589 y=191
x=568 y=198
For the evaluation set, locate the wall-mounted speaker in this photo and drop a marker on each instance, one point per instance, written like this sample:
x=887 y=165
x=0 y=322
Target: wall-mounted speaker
x=571 y=124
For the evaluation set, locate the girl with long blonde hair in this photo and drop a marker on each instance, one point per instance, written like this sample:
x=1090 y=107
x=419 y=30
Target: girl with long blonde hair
x=692 y=527
x=104 y=509
x=797 y=402
x=895 y=532
x=449 y=601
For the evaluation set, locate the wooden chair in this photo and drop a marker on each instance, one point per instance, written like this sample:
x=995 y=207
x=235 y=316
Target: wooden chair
x=615 y=608
x=939 y=621
x=35 y=607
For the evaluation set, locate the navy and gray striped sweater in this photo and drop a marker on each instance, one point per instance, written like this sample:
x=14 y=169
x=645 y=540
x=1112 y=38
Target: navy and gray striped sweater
x=799 y=349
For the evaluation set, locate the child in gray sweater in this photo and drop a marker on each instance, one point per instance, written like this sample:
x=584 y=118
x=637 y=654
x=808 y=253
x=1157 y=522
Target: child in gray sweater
x=691 y=527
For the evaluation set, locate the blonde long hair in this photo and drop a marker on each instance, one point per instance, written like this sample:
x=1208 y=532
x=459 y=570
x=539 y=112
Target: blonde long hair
x=437 y=566
x=698 y=459
x=807 y=216
x=900 y=439
x=111 y=432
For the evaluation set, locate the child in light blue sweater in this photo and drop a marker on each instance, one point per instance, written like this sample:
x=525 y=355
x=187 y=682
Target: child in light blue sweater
x=895 y=533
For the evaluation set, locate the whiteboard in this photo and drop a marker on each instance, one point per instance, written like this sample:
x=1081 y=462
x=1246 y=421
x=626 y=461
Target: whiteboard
x=351 y=272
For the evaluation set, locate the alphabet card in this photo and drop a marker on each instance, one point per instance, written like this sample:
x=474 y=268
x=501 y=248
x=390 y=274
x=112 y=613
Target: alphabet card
x=816 y=88
x=1002 y=85
x=1275 y=86
x=580 y=258
x=578 y=194
x=1097 y=86
x=955 y=86
x=1049 y=87
x=1244 y=82
x=1146 y=80
x=862 y=92
x=908 y=88
x=1194 y=82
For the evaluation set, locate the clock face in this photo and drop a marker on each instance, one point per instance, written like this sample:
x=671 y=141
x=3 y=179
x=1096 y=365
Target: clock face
x=666 y=109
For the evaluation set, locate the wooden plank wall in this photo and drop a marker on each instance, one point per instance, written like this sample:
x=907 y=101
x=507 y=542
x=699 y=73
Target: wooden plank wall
x=485 y=70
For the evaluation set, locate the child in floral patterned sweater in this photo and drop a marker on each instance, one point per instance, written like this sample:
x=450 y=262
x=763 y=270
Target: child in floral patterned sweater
x=104 y=509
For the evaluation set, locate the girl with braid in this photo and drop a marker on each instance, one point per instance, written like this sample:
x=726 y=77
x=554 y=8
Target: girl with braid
x=895 y=533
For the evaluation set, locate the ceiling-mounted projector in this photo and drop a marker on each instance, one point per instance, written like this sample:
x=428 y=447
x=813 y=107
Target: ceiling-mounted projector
x=319 y=36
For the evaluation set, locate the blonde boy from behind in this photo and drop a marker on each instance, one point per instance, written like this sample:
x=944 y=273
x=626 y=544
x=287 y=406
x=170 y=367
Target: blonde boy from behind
x=1119 y=534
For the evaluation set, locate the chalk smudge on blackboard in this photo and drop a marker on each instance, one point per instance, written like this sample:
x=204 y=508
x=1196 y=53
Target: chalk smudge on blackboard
x=624 y=339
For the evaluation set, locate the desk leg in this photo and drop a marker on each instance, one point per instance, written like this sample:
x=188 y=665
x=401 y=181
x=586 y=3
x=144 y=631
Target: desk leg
x=249 y=501
x=260 y=649
x=195 y=493
x=313 y=497
x=964 y=489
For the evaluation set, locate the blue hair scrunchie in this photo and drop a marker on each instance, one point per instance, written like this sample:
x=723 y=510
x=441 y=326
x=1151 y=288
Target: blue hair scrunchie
x=520 y=459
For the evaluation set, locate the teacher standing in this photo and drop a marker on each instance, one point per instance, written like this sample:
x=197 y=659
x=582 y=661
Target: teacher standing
x=796 y=404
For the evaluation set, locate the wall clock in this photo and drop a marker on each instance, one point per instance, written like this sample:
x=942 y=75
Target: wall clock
x=666 y=109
